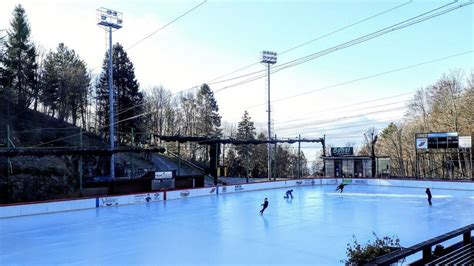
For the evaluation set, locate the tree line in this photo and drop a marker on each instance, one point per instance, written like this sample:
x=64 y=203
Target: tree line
x=445 y=106
x=58 y=83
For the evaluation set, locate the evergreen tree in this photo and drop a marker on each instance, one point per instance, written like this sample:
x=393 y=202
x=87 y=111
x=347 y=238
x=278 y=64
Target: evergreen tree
x=65 y=84
x=19 y=60
x=128 y=98
x=259 y=158
x=208 y=111
x=246 y=131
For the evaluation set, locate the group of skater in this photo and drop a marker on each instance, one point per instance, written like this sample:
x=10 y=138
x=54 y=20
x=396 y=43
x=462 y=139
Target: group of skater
x=340 y=187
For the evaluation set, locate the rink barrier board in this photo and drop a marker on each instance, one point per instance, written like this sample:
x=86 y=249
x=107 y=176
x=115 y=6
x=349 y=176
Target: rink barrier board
x=110 y=201
x=46 y=207
x=190 y=193
x=456 y=185
x=15 y=210
x=24 y=209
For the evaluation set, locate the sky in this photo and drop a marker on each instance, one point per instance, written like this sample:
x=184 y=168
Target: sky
x=220 y=37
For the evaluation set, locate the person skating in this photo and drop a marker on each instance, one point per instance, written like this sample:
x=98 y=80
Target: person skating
x=428 y=192
x=341 y=187
x=288 y=194
x=265 y=205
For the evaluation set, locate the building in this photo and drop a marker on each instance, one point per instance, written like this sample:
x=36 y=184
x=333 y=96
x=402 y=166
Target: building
x=342 y=163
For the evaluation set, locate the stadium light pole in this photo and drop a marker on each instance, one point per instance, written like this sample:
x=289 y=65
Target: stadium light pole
x=110 y=20
x=269 y=58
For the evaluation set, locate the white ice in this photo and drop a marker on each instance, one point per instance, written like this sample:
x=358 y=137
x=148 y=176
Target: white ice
x=313 y=228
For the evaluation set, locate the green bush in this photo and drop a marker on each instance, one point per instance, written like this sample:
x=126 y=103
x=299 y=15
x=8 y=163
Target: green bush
x=358 y=254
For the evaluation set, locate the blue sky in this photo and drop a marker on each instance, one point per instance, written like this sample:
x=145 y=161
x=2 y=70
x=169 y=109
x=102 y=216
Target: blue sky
x=222 y=36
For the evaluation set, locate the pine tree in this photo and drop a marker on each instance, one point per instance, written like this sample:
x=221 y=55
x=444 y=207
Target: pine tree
x=65 y=84
x=128 y=98
x=20 y=60
x=259 y=158
x=246 y=131
x=208 y=111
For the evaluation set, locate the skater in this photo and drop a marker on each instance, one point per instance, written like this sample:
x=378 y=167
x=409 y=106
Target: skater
x=265 y=205
x=428 y=192
x=341 y=187
x=288 y=194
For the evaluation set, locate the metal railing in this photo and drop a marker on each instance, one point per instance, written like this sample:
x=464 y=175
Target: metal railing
x=425 y=247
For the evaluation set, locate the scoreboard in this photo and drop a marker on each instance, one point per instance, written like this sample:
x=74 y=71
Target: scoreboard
x=443 y=140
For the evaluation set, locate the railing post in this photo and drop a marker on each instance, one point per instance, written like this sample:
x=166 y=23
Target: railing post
x=427 y=254
x=467 y=237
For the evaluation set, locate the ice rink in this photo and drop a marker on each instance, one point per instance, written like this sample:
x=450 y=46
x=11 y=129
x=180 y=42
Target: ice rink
x=313 y=228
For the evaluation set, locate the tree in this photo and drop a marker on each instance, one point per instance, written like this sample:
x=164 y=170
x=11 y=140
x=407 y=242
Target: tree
x=158 y=103
x=128 y=98
x=245 y=131
x=65 y=84
x=443 y=106
x=208 y=112
x=20 y=60
x=391 y=142
x=234 y=163
x=259 y=158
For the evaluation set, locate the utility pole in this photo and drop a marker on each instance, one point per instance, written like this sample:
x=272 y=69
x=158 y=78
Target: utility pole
x=324 y=154
x=299 y=156
x=110 y=19
x=80 y=161
x=275 y=172
x=373 y=141
x=131 y=154
x=269 y=58
x=416 y=157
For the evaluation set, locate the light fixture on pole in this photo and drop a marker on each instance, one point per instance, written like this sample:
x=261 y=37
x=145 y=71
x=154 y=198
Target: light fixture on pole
x=269 y=58
x=110 y=20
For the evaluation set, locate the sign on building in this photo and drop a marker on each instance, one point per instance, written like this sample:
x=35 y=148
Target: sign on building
x=163 y=175
x=342 y=151
x=465 y=142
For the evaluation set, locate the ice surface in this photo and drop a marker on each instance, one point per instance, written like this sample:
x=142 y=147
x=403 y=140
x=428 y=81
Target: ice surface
x=313 y=228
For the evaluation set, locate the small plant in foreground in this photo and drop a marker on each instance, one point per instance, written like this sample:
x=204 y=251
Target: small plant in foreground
x=358 y=254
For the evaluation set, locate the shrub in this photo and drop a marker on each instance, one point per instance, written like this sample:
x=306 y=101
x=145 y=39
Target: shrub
x=358 y=254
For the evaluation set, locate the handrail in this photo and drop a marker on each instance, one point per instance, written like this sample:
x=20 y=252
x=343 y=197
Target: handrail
x=186 y=161
x=424 y=246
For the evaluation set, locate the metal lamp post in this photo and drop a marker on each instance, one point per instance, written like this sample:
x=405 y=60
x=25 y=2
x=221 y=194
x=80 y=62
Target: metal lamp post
x=269 y=58
x=110 y=20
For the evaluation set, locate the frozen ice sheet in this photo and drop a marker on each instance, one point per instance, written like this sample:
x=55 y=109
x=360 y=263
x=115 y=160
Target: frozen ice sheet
x=313 y=228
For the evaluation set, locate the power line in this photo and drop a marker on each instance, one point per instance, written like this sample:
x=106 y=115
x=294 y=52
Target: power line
x=365 y=78
x=316 y=39
x=166 y=25
x=406 y=23
x=351 y=110
x=400 y=25
x=320 y=122
x=263 y=74
x=356 y=104
x=362 y=39
x=350 y=81
x=347 y=126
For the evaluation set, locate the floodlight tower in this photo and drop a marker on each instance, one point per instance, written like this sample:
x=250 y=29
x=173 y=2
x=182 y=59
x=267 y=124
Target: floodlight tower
x=269 y=58
x=110 y=20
